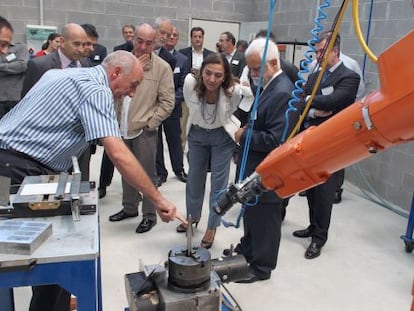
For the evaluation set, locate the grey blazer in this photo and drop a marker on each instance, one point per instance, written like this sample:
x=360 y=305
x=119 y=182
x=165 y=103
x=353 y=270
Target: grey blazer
x=36 y=67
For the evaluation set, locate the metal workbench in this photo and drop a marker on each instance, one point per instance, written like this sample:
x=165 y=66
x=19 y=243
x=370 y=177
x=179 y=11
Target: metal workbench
x=69 y=257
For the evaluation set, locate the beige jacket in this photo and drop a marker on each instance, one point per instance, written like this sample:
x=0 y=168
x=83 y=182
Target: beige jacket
x=154 y=98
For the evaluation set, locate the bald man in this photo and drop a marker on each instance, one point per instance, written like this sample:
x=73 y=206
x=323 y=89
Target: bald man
x=69 y=54
x=86 y=96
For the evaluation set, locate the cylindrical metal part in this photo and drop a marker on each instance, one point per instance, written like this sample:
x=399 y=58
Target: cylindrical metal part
x=230 y=269
x=189 y=273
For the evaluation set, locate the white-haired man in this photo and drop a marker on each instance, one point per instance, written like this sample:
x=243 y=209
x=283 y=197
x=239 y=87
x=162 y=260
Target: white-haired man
x=262 y=222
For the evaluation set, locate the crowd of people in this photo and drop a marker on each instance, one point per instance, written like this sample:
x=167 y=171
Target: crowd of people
x=125 y=101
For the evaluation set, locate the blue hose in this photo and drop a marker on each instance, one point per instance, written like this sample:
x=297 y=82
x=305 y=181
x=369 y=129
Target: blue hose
x=304 y=65
x=367 y=37
x=253 y=117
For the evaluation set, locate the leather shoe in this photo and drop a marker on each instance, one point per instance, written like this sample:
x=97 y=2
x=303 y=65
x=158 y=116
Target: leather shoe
x=305 y=233
x=338 y=196
x=145 y=225
x=313 y=251
x=302 y=193
x=121 y=216
x=181 y=176
x=160 y=180
x=251 y=278
x=102 y=192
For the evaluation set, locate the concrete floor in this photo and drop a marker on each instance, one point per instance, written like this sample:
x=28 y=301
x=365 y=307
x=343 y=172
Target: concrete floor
x=362 y=267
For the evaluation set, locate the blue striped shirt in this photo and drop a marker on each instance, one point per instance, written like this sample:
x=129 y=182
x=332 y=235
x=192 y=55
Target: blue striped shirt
x=60 y=115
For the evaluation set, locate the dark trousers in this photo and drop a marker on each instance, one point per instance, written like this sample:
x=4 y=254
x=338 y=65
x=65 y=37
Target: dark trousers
x=340 y=179
x=320 y=201
x=261 y=239
x=172 y=130
x=16 y=166
x=84 y=162
x=107 y=172
x=6 y=106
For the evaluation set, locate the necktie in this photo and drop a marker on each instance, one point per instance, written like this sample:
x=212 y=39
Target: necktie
x=326 y=75
x=73 y=64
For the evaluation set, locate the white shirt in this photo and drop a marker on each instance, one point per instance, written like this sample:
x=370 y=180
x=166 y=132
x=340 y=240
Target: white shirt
x=197 y=58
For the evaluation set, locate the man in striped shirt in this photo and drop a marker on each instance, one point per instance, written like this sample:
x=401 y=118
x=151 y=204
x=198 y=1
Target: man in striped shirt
x=57 y=119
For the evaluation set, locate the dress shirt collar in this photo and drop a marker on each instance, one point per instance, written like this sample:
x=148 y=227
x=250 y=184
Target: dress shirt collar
x=274 y=76
x=65 y=61
x=333 y=68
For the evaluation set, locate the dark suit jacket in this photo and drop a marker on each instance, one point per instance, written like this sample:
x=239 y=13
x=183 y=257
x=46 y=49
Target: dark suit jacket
x=127 y=46
x=290 y=70
x=167 y=56
x=189 y=53
x=181 y=69
x=269 y=126
x=237 y=64
x=37 y=66
x=98 y=55
x=344 y=84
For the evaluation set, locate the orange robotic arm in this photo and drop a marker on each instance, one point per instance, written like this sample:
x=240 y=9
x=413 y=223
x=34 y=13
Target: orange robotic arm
x=377 y=122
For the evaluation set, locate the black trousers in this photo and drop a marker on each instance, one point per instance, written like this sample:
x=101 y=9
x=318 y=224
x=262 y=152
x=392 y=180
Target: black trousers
x=172 y=130
x=6 y=106
x=261 y=239
x=16 y=166
x=107 y=172
x=320 y=201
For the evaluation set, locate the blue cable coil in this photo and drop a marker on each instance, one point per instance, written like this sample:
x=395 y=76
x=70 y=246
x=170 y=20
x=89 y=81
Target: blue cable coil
x=291 y=104
x=304 y=65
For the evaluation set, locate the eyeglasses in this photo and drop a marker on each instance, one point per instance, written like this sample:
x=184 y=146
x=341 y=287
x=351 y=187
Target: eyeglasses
x=4 y=44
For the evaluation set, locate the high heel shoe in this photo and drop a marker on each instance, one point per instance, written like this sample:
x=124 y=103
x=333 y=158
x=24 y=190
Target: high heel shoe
x=183 y=227
x=208 y=238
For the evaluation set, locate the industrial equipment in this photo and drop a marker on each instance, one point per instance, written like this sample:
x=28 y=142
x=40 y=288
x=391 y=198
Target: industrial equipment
x=50 y=195
x=189 y=280
x=376 y=122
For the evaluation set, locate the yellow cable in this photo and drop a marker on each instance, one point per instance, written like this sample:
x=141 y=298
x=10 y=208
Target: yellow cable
x=358 y=32
x=323 y=69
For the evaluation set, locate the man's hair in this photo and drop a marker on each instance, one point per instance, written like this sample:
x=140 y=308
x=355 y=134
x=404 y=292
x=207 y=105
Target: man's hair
x=230 y=37
x=194 y=29
x=258 y=46
x=123 y=59
x=143 y=25
x=128 y=26
x=4 y=23
x=159 y=20
x=327 y=34
x=262 y=33
x=242 y=43
x=90 y=30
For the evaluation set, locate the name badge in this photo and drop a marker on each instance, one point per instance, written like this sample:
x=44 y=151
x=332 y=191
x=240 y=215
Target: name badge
x=235 y=62
x=11 y=57
x=327 y=90
x=177 y=70
x=97 y=57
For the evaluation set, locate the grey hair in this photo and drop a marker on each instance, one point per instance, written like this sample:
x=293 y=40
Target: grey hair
x=144 y=26
x=258 y=46
x=161 y=19
x=123 y=59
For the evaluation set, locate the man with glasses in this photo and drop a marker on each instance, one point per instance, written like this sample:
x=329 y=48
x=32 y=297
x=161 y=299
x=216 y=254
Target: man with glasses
x=13 y=62
x=163 y=29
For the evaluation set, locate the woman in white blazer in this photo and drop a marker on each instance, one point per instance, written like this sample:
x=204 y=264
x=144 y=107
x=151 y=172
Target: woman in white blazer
x=212 y=97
